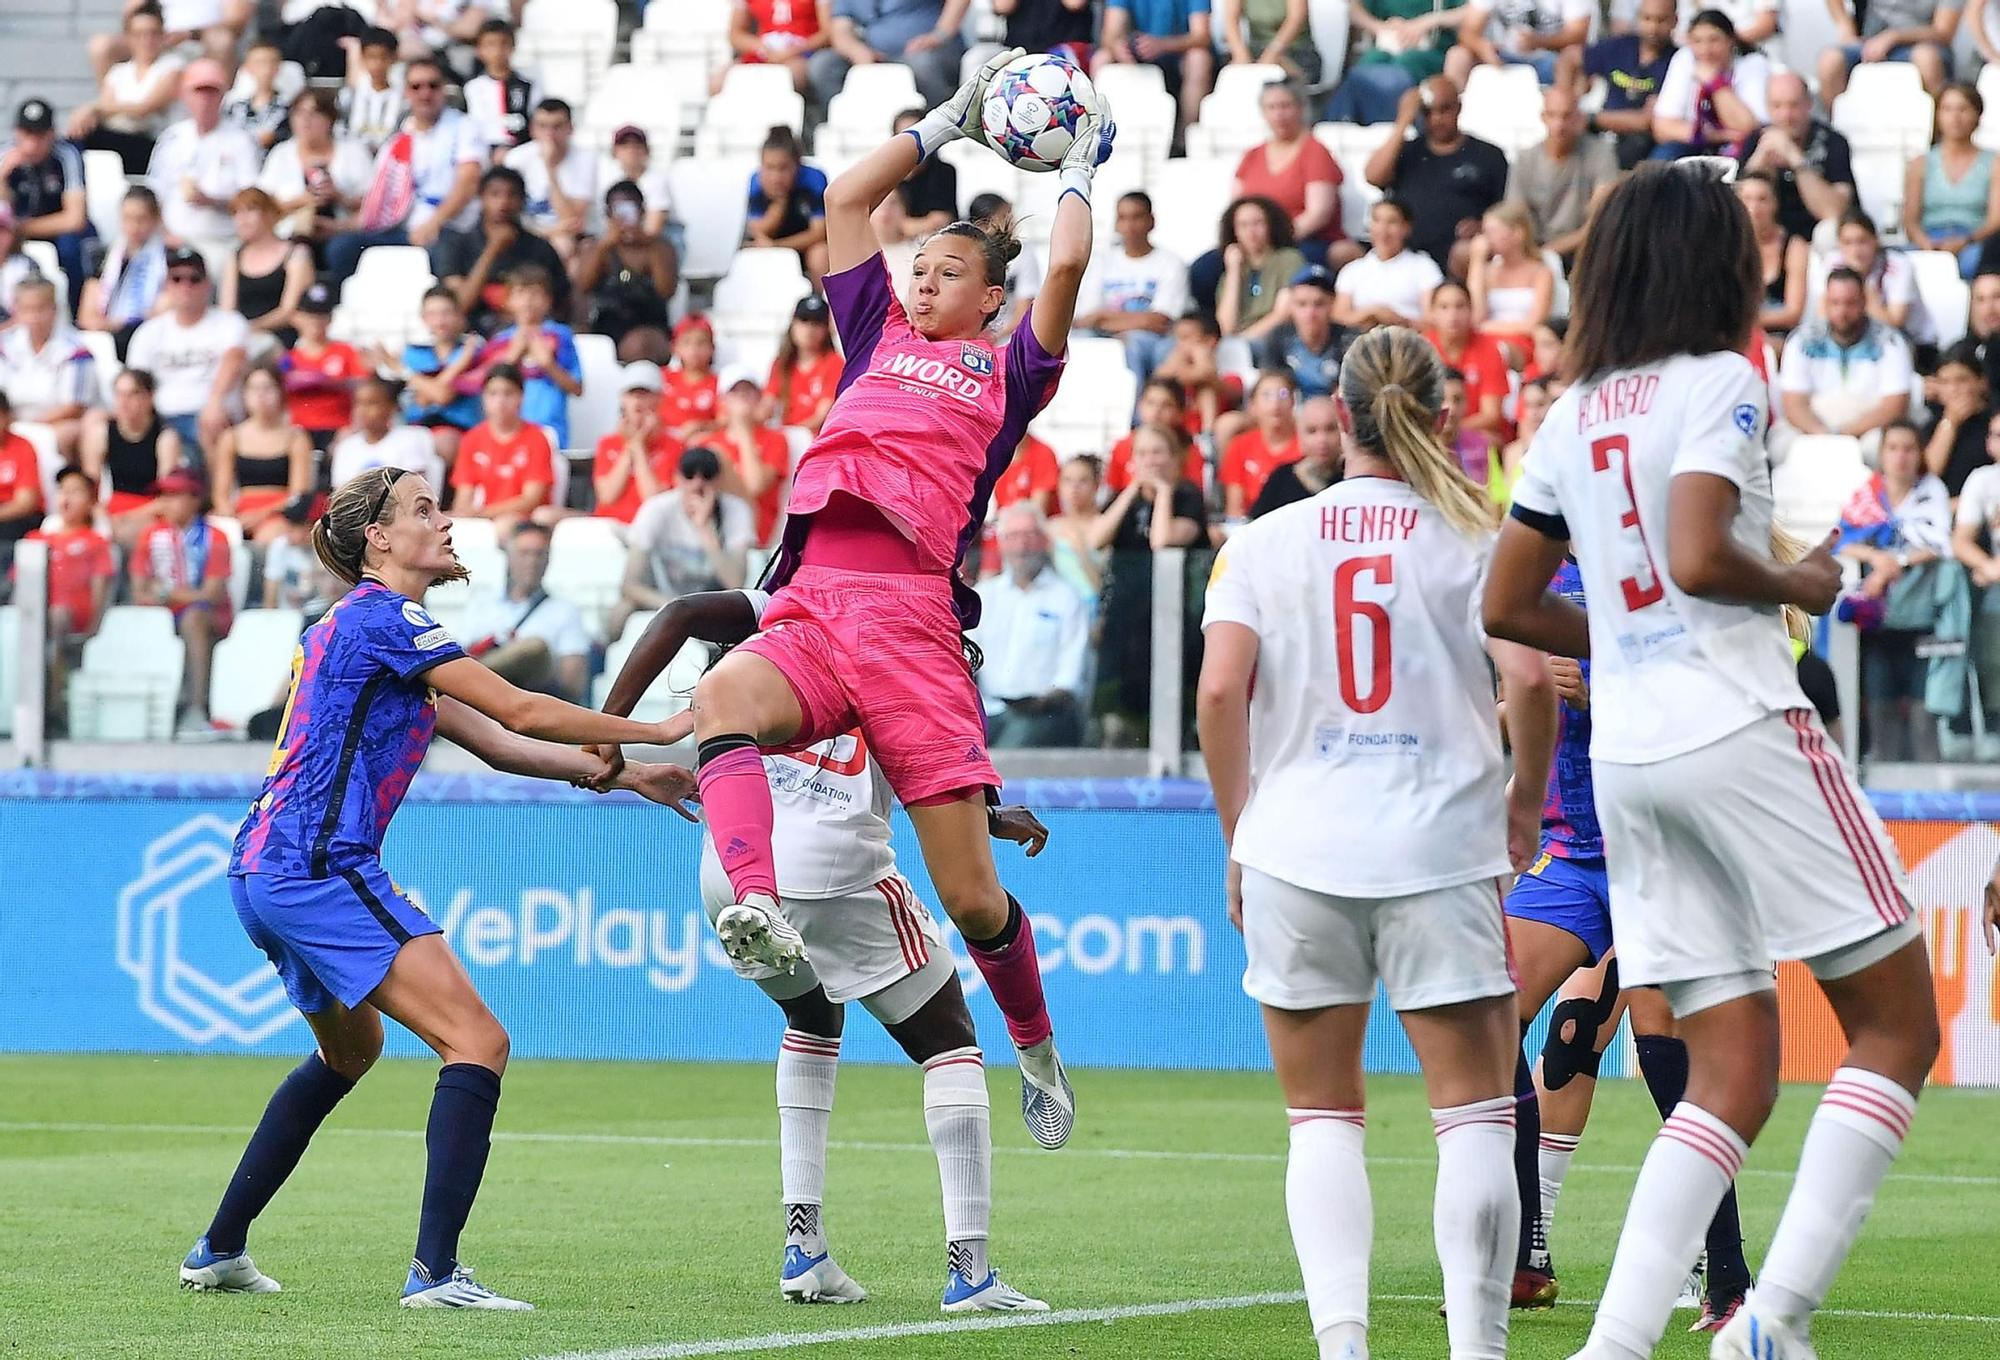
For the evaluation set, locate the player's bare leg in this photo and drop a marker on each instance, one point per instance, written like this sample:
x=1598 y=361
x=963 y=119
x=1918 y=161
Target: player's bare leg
x=1545 y=956
x=1889 y=1013
x=349 y=1043
x=1317 y=1056
x=958 y=851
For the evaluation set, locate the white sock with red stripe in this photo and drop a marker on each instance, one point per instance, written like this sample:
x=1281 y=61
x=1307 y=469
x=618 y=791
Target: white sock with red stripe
x=957 y=1113
x=1333 y=1221
x=1854 y=1138
x=1476 y=1220
x=807 y=1064
x=1687 y=1171
x=1552 y=1160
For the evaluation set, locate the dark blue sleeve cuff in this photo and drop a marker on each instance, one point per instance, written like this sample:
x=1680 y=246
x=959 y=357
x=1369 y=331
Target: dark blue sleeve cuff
x=1548 y=526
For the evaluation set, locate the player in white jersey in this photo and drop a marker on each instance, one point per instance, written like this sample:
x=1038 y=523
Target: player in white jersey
x=1734 y=831
x=1363 y=794
x=851 y=928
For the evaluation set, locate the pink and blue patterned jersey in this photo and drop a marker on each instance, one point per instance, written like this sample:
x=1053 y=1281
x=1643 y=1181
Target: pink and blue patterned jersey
x=356 y=728
x=921 y=429
x=1569 y=813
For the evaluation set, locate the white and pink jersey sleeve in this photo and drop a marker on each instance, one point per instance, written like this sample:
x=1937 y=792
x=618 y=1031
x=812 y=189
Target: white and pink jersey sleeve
x=921 y=429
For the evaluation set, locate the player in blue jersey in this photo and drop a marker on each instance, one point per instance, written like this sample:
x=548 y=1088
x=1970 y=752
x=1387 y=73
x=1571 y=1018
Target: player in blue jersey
x=371 y=682
x=1558 y=925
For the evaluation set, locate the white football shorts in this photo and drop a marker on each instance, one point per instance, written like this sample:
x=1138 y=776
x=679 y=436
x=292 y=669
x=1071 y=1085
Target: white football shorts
x=1756 y=848
x=879 y=946
x=1310 y=949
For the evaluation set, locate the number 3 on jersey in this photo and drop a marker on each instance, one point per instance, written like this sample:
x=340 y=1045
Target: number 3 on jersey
x=1638 y=594
x=1381 y=677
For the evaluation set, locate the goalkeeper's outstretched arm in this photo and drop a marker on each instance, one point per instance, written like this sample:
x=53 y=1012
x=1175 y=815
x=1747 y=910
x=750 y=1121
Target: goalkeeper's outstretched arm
x=858 y=191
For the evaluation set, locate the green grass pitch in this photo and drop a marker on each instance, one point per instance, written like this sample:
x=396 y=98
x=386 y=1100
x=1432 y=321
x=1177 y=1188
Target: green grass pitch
x=637 y=1205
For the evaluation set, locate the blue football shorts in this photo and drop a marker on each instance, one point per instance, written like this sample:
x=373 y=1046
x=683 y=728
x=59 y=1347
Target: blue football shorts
x=1569 y=894
x=331 y=939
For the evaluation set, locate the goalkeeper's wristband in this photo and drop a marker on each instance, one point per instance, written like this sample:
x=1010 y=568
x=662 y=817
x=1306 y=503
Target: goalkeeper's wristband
x=1075 y=180
x=932 y=131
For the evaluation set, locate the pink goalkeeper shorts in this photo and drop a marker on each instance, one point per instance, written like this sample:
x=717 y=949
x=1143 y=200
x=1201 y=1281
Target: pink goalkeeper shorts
x=881 y=652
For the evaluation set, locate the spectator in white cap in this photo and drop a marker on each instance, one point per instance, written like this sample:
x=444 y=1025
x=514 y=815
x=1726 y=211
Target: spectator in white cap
x=201 y=162
x=638 y=460
x=755 y=457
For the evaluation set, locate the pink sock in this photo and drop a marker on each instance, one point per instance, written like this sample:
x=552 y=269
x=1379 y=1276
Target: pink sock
x=1015 y=976
x=737 y=799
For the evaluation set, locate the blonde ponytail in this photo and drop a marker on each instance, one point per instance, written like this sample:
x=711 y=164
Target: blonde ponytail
x=1393 y=383
x=1787 y=547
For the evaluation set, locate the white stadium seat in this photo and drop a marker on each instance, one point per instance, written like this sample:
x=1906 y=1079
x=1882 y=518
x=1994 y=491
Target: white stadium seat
x=1809 y=487
x=1503 y=105
x=1190 y=195
x=10 y=665
x=104 y=186
x=129 y=684
x=253 y=663
x=1878 y=185
x=239 y=560
x=756 y=297
x=594 y=413
x=1885 y=108
x=587 y=566
x=104 y=352
x=752 y=101
x=477 y=544
x=43 y=253
x=710 y=195
x=1942 y=293
x=1328 y=21
x=635 y=93
x=982 y=172
x=860 y=116
x=1093 y=405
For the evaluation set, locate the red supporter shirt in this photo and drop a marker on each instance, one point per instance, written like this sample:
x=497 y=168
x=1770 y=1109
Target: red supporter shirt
x=326 y=409
x=1250 y=462
x=492 y=469
x=19 y=468
x=686 y=400
x=1033 y=472
x=1118 y=467
x=184 y=557
x=774 y=451
x=1484 y=367
x=800 y=18
x=663 y=456
x=1313 y=164
x=1229 y=396
x=78 y=558
x=811 y=385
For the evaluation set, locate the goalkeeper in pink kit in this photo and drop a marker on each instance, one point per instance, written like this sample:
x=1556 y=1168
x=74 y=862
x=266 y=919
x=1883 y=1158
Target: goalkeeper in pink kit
x=864 y=624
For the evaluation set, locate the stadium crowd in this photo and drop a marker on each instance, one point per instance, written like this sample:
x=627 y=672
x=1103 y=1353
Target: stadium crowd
x=265 y=162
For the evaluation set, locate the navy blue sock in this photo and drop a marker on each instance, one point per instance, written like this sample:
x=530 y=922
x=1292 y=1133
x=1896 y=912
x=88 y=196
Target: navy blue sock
x=1527 y=1153
x=298 y=1107
x=1663 y=1061
x=458 y=1138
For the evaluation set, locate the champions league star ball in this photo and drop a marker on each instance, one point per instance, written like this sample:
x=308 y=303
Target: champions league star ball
x=1032 y=109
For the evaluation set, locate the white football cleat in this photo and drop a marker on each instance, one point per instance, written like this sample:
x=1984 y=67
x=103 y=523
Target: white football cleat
x=458 y=1291
x=1749 y=1336
x=206 y=1273
x=755 y=931
x=990 y=1295
x=816 y=1279
x=1048 y=1105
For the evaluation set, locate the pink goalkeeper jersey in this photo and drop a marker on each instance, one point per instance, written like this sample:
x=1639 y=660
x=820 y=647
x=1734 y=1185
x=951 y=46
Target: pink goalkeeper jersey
x=921 y=429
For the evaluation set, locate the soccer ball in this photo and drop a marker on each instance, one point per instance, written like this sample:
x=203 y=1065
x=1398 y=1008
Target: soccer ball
x=1033 y=108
